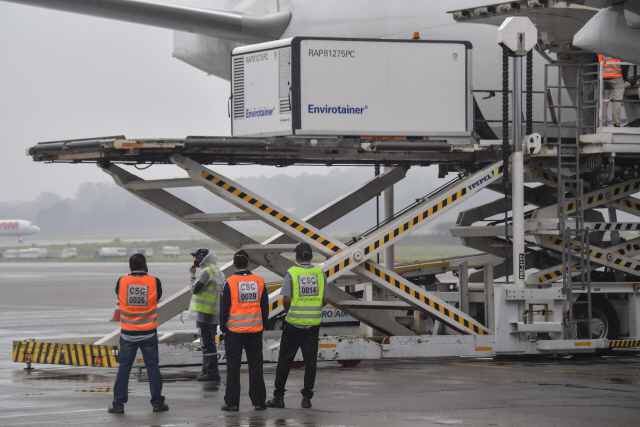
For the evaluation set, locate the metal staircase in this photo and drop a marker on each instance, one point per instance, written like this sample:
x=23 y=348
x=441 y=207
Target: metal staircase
x=579 y=103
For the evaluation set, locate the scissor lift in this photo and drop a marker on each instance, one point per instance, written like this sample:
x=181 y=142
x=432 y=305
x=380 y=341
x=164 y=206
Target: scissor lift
x=529 y=320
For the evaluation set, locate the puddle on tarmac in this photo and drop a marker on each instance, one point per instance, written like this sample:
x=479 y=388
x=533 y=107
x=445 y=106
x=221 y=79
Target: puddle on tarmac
x=623 y=381
x=29 y=377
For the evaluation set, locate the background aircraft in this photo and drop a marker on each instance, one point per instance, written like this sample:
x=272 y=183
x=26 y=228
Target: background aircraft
x=17 y=228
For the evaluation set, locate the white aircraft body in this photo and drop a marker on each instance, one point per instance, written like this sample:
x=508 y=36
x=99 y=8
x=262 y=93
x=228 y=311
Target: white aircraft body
x=207 y=30
x=614 y=31
x=17 y=228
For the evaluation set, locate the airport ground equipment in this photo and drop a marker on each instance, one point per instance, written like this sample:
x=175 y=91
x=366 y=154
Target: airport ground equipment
x=583 y=294
x=329 y=86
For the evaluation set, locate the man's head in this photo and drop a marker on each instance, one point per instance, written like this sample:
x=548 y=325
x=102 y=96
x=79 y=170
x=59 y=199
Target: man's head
x=303 y=252
x=138 y=262
x=241 y=260
x=199 y=255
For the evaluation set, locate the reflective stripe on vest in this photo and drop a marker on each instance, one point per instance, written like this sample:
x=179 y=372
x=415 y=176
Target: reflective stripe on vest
x=206 y=301
x=306 y=300
x=245 y=313
x=610 y=70
x=138 y=303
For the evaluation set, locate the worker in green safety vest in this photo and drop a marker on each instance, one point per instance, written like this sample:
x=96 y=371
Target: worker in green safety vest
x=304 y=293
x=205 y=308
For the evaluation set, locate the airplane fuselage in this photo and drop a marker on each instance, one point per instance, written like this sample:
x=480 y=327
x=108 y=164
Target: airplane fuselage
x=17 y=228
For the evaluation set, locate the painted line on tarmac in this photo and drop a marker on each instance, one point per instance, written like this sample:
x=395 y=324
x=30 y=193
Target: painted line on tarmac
x=480 y=366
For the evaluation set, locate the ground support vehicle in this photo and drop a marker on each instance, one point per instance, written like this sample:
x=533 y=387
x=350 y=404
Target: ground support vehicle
x=582 y=290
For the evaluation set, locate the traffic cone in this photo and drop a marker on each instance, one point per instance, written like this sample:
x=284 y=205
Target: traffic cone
x=116 y=313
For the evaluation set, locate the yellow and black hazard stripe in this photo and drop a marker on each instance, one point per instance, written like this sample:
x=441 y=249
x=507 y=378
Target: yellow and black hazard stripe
x=554 y=274
x=616 y=226
x=415 y=220
x=96 y=390
x=624 y=343
x=65 y=354
x=631 y=187
x=276 y=304
x=586 y=202
x=634 y=248
x=410 y=223
x=558 y=242
x=551 y=177
x=333 y=270
x=618 y=261
x=626 y=188
x=548 y=176
x=265 y=208
x=628 y=203
x=455 y=318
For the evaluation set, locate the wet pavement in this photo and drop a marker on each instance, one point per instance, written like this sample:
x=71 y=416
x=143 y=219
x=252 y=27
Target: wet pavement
x=41 y=300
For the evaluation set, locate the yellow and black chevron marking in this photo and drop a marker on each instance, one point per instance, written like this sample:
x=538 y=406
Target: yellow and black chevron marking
x=333 y=270
x=415 y=220
x=65 y=354
x=96 y=390
x=411 y=223
x=621 y=226
x=553 y=275
x=547 y=176
x=419 y=296
x=628 y=203
x=558 y=242
x=624 y=343
x=616 y=192
x=621 y=262
x=275 y=305
x=634 y=248
x=551 y=177
x=627 y=188
x=274 y=213
x=586 y=202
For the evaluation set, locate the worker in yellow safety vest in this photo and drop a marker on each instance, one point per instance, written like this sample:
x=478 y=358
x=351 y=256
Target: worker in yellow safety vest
x=205 y=308
x=304 y=293
x=613 y=80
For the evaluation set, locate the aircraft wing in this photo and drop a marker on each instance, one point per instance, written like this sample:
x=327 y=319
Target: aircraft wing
x=557 y=21
x=228 y=25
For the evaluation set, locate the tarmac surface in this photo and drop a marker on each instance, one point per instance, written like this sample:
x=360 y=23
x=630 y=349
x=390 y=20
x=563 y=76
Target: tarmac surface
x=75 y=299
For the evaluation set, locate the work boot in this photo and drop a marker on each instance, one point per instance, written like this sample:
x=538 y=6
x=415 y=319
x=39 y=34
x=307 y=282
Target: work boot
x=161 y=408
x=116 y=410
x=306 y=402
x=260 y=407
x=229 y=408
x=276 y=402
x=205 y=377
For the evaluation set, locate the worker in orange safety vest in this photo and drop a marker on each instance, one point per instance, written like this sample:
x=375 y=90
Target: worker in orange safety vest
x=138 y=294
x=244 y=310
x=613 y=80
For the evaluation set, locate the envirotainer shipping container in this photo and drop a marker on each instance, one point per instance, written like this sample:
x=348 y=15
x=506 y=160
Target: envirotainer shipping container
x=352 y=87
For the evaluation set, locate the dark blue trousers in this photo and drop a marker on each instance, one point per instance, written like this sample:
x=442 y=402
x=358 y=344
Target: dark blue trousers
x=128 y=350
x=209 y=350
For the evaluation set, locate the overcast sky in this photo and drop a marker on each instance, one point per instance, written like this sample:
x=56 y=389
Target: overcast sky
x=65 y=76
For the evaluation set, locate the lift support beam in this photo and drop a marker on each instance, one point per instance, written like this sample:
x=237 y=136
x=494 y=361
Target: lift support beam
x=154 y=194
x=302 y=231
